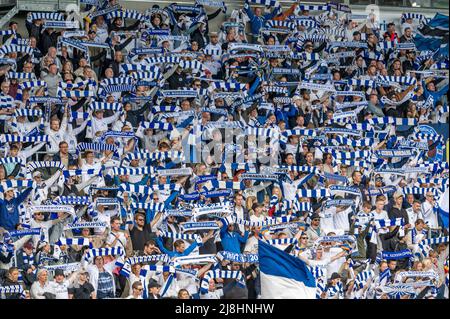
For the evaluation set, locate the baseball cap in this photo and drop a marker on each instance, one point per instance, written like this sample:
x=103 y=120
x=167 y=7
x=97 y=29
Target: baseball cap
x=315 y=216
x=59 y=272
x=37 y=173
x=153 y=284
x=398 y=194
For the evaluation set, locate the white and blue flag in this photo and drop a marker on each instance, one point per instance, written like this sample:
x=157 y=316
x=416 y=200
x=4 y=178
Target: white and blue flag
x=284 y=276
x=443 y=207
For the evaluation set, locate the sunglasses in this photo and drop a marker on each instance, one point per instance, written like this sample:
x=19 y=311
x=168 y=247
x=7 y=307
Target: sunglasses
x=303 y=237
x=139 y=289
x=140 y=220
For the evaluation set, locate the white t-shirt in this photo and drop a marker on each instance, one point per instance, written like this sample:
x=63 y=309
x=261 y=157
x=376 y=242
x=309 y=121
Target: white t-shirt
x=333 y=266
x=322 y=264
x=122 y=241
x=104 y=217
x=251 y=246
x=216 y=294
x=60 y=289
x=327 y=219
x=239 y=211
x=429 y=215
x=45 y=226
x=412 y=217
x=341 y=219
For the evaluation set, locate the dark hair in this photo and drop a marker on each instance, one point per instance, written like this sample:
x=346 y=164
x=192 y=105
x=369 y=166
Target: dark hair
x=419 y=221
x=114 y=218
x=354 y=172
x=178 y=243
x=150 y=242
x=182 y=290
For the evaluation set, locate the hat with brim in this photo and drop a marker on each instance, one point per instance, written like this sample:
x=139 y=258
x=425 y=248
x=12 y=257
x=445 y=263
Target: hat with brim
x=37 y=173
x=59 y=272
x=398 y=194
x=153 y=284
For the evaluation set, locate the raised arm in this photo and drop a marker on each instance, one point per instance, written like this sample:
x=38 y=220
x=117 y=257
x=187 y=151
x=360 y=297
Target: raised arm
x=30 y=151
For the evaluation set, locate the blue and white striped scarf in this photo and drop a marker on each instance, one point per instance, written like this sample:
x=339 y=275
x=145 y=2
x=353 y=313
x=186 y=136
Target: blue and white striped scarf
x=190 y=226
x=95 y=105
x=80 y=241
x=155 y=155
x=412 y=15
x=10 y=138
x=81 y=225
x=226 y=274
x=108 y=251
x=15 y=48
x=16 y=183
x=25 y=232
x=238 y=258
x=420 y=190
x=126 y=269
x=12 y=160
x=97 y=147
x=21 y=75
x=29 y=85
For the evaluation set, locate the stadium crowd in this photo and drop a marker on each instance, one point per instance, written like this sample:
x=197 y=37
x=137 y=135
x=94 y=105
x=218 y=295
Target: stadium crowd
x=145 y=156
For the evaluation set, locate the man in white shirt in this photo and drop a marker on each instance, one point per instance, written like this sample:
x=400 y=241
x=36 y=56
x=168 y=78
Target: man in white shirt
x=257 y=215
x=318 y=260
x=116 y=237
x=56 y=132
x=214 y=46
x=60 y=286
x=136 y=290
x=239 y=210
x=429 y=213
x=414 y=212
x=41 y=192
x=100 y=123
x=341 y=220
x=212 y=293
x=39 y=222
x=328 y=252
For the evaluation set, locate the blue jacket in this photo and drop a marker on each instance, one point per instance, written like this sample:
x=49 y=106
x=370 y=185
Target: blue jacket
x=9 y=210
x=231 y=241
x=172 y=253
x=256 y=22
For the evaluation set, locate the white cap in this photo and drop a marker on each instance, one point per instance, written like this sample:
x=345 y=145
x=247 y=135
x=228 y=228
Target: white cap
x=36 y=173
